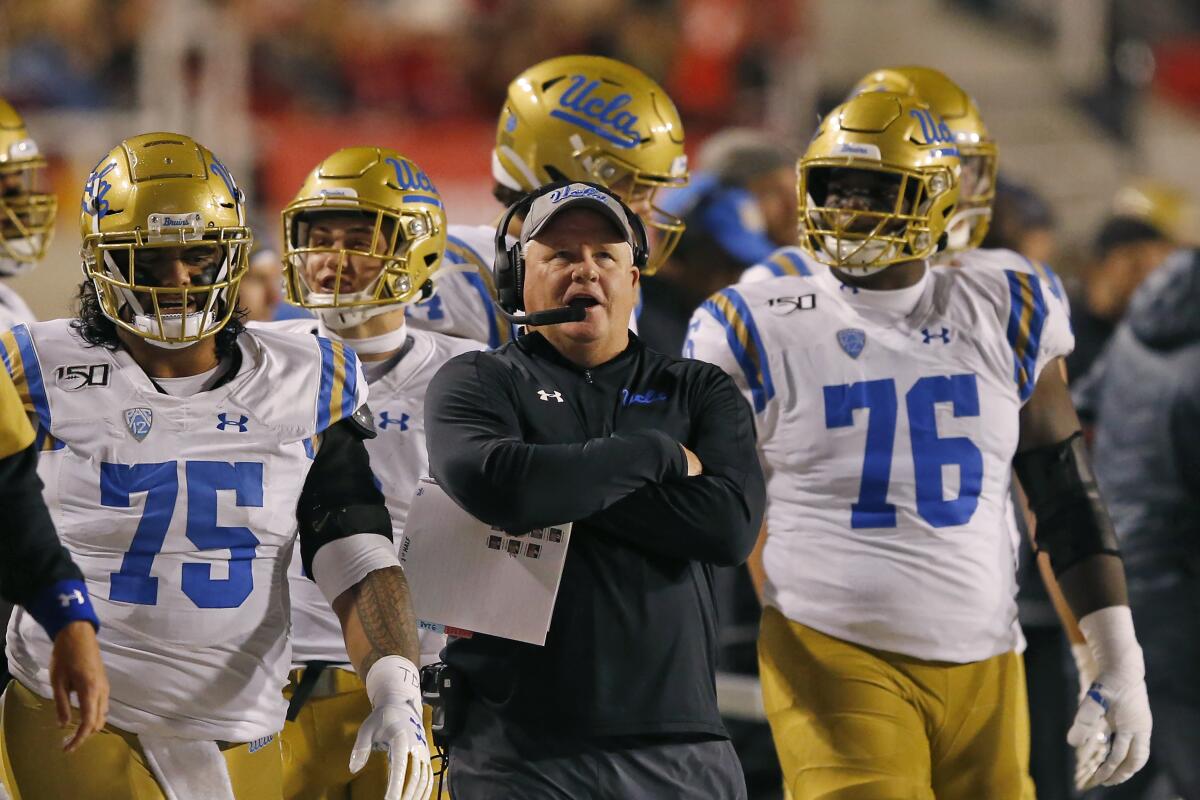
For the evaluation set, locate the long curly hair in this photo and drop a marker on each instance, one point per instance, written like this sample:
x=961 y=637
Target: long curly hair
x=100 y=331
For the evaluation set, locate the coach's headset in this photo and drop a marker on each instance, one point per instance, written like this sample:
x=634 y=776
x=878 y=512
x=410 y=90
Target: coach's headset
x=509 y=265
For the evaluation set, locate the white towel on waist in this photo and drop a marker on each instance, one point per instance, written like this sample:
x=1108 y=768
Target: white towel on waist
x=187 y=769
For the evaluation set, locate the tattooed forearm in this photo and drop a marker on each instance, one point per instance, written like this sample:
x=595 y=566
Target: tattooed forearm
x=377 y=619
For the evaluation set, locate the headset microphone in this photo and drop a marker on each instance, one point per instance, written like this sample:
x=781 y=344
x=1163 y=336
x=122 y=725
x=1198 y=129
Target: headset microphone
x=551 y=316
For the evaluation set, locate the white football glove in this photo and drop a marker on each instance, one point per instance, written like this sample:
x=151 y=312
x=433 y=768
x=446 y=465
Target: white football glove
x=1111 y=733
x=394 y=687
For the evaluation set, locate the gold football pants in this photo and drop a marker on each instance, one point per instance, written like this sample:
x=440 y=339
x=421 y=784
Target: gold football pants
x=852 y=723
x=316 y=747
x=110 y=764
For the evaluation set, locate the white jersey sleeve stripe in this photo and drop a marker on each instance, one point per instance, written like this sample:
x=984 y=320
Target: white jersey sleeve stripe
x=728 y=308
x=1026 y=317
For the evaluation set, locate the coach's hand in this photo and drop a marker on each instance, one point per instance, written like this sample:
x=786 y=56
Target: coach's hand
x=694 y=467
x=395 y=726
x=1111 y=733
x=75 y=666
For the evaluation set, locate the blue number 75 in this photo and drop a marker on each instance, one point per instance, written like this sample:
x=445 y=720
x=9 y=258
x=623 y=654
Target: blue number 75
x=133 y=583
x=930 y=452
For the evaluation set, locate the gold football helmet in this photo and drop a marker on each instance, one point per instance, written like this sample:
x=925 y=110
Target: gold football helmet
x=154 y=202
x=589 y=118
x=899 y=148
x=976 y=147
x=404 y=226
x=26 y=211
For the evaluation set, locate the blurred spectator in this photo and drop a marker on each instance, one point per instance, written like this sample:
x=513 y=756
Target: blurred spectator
x=740 y=206
x=261 y=292
x=1021 y=221
x=1126 y=251
x=1147 y=461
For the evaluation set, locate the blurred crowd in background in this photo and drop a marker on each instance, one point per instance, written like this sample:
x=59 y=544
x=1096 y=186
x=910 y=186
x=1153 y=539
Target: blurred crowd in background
x=749 y=78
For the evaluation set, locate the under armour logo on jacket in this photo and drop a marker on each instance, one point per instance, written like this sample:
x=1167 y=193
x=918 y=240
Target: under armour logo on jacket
x=546 y=397
x=929 y=337
x=75 y=596
x=385 y=420
x=224 y=422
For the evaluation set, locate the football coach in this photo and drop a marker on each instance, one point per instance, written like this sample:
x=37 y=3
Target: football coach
x=653 y=459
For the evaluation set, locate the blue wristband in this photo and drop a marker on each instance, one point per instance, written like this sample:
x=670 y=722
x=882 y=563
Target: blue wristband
x=62 y=603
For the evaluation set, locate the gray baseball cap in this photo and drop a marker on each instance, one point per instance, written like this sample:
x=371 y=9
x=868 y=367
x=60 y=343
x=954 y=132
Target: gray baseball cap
x=575 y=195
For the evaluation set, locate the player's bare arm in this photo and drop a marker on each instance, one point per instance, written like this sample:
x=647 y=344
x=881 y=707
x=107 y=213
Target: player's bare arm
x=1112 y=727
x=377 y=619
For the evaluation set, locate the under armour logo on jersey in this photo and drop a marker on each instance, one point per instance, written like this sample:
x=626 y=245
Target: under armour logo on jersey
x=75 y=596
x=845 y=287
x=139 y=421
x=546 y=397
x=852 y=340
x=929 y=337
x=224 y=422
x=385 y=419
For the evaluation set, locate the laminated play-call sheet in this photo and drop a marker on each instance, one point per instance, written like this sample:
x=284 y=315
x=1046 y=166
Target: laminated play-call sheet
x=467 y=576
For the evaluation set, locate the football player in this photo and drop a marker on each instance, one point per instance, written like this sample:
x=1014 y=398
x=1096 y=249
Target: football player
x=180 y=453
x=362 y=237
x=582 y=118
x=26 y=211
x=894 y=399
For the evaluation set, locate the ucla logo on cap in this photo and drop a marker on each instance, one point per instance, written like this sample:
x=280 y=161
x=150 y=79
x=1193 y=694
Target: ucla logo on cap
x=577 y=190
x=580 y=105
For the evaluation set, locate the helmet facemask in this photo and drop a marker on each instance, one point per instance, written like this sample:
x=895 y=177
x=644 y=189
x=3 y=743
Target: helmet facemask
x=638 y=190
x=27 y=214
x=380 y=262
x=968 y=225
x=861 y=219
x=131 y=273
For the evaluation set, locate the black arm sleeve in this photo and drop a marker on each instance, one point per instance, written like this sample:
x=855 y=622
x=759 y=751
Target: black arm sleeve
x=340 y=497
x=714 y=517
x=31 y=558
x=477 y=454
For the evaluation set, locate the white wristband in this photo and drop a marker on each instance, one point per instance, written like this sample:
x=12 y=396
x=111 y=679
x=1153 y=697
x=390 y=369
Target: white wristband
x=1113 y=643
x=393 y=675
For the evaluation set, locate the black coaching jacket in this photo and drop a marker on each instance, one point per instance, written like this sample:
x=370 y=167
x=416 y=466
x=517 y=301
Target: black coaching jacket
x=522 y=438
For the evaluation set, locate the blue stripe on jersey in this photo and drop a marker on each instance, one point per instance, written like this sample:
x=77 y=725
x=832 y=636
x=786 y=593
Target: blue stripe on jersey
x=794 y=263
x=496 y=327
x=325 y=393
x=729 y=309
x=36 y=387
x=1026 y=318
x=350 y=389
x=1048 y=275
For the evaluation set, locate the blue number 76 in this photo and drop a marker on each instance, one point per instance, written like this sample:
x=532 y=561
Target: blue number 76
x=930 y=452
x=133 y=583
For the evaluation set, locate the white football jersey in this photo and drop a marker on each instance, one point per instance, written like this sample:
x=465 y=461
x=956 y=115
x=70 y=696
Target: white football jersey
x=784 y=261
x=887 y=434
x=399 y=460
x=181 y=513
x=462 y=301
x=13 y=309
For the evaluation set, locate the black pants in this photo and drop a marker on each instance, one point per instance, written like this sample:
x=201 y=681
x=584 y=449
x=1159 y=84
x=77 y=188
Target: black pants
x=493 y=759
